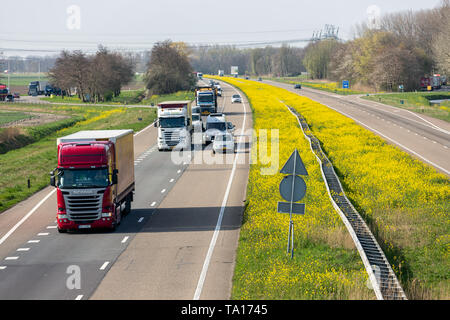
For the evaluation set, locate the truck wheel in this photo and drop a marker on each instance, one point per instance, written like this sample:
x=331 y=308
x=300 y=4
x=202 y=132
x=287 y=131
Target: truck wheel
x=127 y=205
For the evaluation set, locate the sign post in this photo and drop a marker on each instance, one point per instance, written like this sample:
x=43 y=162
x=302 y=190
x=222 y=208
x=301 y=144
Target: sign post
x=292 y=189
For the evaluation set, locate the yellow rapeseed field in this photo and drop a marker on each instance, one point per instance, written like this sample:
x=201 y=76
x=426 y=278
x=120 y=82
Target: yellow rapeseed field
x=405 y=202
x=326 y=264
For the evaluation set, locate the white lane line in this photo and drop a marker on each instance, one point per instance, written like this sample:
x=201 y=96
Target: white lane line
x=103 y=267
x=2 y=267
x=6 y=236
x=79 y=297
x=34 y=241
x=178 y=171
x=163 y=190
x=23 y=249
x=140 y=220
x=125 y=239
x=52 y=227
x=153 y=204
x=201 y=280
x=171 y=180
x=11 y=258
x=43 y=234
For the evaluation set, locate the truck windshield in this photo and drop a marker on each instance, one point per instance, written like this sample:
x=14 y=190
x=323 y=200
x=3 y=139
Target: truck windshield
x=195 y=117
x=216 y=125
x=205 y=98
x=83 y=178
x=171 y=122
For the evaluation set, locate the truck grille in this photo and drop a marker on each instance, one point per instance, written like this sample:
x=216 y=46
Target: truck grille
x=172 y=138
x=84 y=208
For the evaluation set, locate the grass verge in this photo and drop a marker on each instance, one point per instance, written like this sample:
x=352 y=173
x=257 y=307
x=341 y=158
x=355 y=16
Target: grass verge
x=418 y=102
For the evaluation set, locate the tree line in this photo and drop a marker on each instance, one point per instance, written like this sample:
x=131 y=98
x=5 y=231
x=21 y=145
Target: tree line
x=405 y=46
x=95 y=78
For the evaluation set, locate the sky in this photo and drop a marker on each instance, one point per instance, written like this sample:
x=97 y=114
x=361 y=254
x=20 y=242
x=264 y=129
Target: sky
x=134 y=25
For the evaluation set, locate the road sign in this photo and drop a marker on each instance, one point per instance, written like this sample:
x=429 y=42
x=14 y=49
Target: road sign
x=345 y=84
x=298 y=191
x=285 y=207
x=292 y=189
x=294 y=160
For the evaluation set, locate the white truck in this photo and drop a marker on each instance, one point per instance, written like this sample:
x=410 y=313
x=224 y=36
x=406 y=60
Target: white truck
x=221 y=73
x=174 y=125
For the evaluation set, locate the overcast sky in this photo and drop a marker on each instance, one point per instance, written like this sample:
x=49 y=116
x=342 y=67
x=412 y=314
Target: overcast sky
x=83 y=24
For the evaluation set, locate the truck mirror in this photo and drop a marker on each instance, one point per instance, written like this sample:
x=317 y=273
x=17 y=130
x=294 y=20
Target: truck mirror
x=114 y=176
x=52 y=180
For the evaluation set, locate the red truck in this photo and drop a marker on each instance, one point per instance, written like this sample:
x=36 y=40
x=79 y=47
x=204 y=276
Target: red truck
x=94 y=179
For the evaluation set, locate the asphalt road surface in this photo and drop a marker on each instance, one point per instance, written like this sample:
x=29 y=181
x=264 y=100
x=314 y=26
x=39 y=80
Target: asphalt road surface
x=425 y=138
x=179 y=241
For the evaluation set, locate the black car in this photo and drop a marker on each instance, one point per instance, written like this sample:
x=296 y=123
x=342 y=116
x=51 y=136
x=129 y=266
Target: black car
x=10 y=98
x=298 y=86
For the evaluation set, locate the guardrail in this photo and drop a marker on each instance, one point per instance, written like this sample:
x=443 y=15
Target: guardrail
x=382 y=278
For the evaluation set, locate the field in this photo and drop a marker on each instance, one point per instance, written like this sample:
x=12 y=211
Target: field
x=6 y=117
x=130 y=97
x=418 y=102
x=326 y=264
x=35 y=158
x=405 y=202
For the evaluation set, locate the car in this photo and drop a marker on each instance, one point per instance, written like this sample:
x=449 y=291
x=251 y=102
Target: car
x=298 y=86
x=197 y=123
x=216 y=123
x=224 y=142
x=9 y=98
x=246 y=77
x=16 y=95
x=259 y=79
x=236 y=98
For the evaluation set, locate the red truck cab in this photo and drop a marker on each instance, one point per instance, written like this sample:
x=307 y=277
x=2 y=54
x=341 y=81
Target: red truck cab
x=94 y=187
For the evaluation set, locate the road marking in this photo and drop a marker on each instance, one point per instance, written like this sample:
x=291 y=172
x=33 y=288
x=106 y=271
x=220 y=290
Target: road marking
x=11 y=258
x=103 y=267
x=201 y=280
x=153 y=204
x=171 y=180
x=79 y=297
x=125 y=239
x=163 y=190
x=23 y=249
x=178 y=171
x=445 y=147
x=2 y=267
x=140 y=220
x=43 y=234
x=34 y=241
x=51 y=227
x=18 y=224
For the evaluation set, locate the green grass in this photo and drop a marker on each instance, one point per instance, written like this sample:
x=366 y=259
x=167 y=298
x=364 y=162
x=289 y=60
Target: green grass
x=131 y=97
x=16 y=79
x=418 y=102
x=334 y=87
x=10 y=116
x=37 y=159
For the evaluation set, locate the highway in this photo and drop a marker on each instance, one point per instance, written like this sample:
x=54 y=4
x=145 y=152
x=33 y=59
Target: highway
x=179 y=241
x=425 y=138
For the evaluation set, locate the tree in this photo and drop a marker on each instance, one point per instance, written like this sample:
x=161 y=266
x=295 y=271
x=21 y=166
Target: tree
x=318 y=57
x=169 y=69
x=441 y=41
